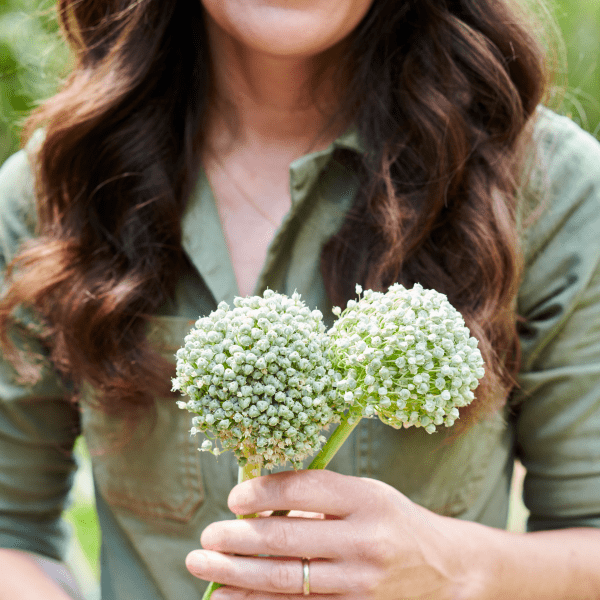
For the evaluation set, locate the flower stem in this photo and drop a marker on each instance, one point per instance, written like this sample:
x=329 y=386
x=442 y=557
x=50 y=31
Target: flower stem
x=335 y=441
x=212 y=586
x=248 y=471
x=245 y=473
x=333 y=444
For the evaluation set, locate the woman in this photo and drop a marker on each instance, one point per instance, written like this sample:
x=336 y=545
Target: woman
x=203 y=150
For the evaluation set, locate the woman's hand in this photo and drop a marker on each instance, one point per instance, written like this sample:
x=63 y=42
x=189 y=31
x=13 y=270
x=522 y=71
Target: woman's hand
x=373 y=544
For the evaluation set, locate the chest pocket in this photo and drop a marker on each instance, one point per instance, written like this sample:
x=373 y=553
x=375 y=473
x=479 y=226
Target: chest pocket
x=149 y=466
x=450 y=476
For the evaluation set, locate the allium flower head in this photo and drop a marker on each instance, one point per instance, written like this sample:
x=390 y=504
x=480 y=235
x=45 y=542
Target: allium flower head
x=405 y=356
x=259 y=380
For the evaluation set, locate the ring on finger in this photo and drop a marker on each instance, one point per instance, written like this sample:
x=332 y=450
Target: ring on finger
x=306 y=577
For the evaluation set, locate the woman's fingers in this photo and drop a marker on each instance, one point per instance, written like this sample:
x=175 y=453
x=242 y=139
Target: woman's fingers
x=378 y=545
x=271 y=575
x=276 y=536
x=230 y=593
x=314 y=491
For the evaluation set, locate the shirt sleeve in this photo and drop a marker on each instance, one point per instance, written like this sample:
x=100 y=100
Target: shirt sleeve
x=558 y=403
x=38 y=423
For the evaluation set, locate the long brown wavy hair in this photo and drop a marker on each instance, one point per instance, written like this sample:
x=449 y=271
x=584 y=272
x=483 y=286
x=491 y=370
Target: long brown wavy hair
x=441 y=91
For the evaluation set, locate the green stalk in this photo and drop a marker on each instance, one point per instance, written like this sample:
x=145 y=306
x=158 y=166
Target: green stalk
x=212 y=586
x=328 y=451
x=244 y=474
x=336 y=439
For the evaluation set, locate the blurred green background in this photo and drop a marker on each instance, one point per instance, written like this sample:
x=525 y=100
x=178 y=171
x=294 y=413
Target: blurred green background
x=32 y=58
x=32 y=61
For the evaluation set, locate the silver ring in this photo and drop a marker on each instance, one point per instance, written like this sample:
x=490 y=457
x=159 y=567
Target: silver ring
x=306 y=577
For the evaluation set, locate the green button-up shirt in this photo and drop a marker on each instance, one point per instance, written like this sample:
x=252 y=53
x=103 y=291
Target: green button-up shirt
x=155 y=492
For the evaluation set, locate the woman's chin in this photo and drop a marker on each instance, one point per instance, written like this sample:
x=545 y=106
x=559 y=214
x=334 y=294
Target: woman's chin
x=286 y=29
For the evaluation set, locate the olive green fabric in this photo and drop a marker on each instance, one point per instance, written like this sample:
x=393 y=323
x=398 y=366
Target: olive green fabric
x=156 y=492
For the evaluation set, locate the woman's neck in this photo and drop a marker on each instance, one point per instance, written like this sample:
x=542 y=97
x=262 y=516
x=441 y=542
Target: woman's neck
x=267 y=102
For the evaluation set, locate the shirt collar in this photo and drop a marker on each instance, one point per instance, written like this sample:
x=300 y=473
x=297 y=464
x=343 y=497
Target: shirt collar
x=202 y=235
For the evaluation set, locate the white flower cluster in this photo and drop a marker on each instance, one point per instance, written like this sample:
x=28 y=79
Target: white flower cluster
x=259 y=380
x=405 y=356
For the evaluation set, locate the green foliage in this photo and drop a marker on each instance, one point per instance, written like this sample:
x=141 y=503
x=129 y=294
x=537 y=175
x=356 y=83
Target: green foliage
x=83 y=518
x=579 y=21
x=32 y=56
x=81 y=514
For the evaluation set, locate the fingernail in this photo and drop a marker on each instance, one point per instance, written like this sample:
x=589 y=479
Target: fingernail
x=195 y=562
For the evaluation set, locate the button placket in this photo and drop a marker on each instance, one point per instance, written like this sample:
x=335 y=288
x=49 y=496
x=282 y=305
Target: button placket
x=303 y=178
